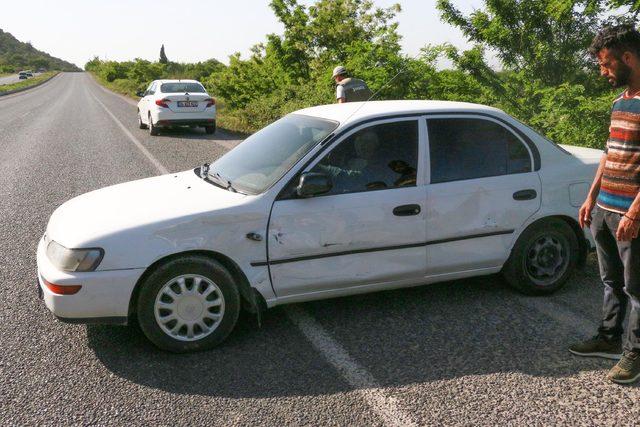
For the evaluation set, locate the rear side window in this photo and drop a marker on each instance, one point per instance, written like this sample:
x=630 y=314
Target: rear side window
x=467 y=148
x=181 y=88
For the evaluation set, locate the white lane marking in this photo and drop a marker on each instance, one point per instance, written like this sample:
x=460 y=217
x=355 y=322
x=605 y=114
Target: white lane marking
x=579 y=323
x=357 y=376
x=124 y=98
x=133 y=139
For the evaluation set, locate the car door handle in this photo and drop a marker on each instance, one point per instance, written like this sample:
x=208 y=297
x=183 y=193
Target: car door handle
x=406 y=210
x=528 y=194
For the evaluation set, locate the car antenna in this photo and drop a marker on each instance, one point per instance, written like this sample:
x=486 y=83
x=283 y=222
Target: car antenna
x=383 y=86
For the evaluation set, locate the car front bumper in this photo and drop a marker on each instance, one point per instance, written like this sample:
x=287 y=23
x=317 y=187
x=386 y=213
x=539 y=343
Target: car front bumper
x=103 y=298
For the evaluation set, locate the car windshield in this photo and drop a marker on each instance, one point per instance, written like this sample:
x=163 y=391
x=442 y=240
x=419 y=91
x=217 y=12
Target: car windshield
x=263 y=158
x=181 y=87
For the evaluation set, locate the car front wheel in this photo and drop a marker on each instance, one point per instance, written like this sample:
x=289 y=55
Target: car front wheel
x=543 y=258
x=188 y=304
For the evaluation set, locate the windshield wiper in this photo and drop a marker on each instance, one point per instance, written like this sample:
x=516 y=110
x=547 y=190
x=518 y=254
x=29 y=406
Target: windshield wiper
x=222 y=180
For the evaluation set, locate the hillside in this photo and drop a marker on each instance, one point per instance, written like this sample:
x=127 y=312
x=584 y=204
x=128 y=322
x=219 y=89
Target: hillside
x=16 y=55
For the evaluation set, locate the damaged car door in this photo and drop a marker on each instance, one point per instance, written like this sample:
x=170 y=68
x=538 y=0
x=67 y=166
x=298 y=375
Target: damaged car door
x=356 y=217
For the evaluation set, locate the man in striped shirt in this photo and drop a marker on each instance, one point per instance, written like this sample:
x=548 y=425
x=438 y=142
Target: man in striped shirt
x=612 y=208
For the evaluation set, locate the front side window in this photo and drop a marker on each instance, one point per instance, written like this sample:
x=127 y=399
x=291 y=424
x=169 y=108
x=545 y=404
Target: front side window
x=181 y=88
x=263 y=158
x=379 y=157
x=467 y=148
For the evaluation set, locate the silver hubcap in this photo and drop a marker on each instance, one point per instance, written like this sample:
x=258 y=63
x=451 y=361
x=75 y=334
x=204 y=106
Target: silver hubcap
x=546 y=260
x=189 y=307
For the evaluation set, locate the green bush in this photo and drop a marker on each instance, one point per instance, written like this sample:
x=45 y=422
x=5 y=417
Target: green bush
x=546 y=81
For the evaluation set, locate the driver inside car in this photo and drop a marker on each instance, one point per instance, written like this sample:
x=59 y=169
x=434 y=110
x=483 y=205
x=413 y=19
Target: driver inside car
x=366 y=168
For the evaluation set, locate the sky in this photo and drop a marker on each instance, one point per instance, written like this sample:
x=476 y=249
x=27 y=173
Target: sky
x=191 y=30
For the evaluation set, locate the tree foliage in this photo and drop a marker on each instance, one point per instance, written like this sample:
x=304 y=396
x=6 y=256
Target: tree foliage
x=544 y=77
x=16 y=55
x=163 y=56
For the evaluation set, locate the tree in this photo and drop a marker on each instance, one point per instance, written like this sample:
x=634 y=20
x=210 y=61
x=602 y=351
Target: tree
x=545 y=39
x=163 y=56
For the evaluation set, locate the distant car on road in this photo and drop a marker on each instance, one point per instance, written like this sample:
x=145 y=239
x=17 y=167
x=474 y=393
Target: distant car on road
x=23 y=76
x=170 y=103
x=328 y=201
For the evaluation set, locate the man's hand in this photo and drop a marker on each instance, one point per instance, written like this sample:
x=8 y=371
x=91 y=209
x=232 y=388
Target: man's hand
x=584 y=215
x=627 y=229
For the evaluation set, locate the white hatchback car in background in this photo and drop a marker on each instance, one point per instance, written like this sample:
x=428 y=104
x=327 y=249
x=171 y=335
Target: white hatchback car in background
x=169 y=103
x=328 y=201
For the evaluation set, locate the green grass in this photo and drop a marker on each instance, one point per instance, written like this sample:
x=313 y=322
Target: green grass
x=27 y=83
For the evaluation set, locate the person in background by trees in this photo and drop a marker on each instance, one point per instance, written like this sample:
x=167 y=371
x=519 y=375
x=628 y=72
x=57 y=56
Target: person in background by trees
x=349 y=89
x=612 y=208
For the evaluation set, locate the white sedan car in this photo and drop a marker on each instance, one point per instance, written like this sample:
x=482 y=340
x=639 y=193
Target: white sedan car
x=169 y=103
x=328 y=201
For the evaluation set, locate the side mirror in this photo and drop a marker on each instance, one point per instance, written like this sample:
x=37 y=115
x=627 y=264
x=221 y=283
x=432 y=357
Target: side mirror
x=140 y=93
x=313 y=184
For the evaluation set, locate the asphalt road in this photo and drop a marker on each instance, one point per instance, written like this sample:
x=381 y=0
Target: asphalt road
x=6 y=80
x=470 y=352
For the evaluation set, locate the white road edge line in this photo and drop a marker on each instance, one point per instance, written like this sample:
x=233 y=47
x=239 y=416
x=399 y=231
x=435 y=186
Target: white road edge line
x=357 y=376
x=133 y=139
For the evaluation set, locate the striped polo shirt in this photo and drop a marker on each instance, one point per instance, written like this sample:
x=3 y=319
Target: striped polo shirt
x=621 y=177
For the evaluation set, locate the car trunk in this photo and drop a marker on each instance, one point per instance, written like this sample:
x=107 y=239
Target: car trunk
x=187 y=102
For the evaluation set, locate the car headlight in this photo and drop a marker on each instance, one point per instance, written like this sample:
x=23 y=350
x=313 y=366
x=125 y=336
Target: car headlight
x=74 y=259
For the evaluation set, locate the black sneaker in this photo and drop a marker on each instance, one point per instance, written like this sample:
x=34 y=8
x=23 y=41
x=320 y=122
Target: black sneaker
x=598 y=346
x=627 y=370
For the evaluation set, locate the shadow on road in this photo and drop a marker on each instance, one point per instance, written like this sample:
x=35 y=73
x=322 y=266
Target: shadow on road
x=199 y=133
x=437 y=332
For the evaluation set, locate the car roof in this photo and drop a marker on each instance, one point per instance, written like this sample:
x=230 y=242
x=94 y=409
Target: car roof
x=357 y=111
x=178 y=81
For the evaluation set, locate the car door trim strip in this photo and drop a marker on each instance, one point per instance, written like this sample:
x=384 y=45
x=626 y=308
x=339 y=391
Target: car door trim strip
x=379 y=249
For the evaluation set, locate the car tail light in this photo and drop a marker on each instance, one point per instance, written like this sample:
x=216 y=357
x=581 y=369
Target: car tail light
x=210 y=102
x=62 y=289
x=162 y=102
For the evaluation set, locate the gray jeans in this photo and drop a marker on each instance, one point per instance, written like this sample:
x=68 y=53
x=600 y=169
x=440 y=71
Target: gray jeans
x=620 y=272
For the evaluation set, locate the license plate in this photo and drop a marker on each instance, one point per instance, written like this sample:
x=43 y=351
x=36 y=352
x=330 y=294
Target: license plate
x=187 y=103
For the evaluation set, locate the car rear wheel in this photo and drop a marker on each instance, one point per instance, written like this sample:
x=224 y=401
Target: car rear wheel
x=153 y=130
x=210 y=129
x=188 y=304
x=543 y=258
x=141 y=125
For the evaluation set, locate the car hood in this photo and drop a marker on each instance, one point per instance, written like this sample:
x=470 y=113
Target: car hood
x=91 y=218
